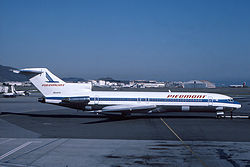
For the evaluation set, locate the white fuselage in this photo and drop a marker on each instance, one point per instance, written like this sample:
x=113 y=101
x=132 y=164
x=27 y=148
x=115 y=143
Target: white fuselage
x=80 y=96
x=167 y=101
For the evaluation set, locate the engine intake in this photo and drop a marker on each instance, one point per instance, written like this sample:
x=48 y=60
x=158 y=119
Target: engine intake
x=41 y=99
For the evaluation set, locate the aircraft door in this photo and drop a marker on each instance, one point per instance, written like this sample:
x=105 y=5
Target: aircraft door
x=138 y=100
x=210 y=101
x=96 y=100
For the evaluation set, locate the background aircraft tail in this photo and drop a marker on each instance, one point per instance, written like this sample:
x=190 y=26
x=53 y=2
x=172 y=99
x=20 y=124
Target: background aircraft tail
x=50 y=85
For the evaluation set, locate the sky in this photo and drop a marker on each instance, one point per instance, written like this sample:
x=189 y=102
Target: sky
x=163 y=40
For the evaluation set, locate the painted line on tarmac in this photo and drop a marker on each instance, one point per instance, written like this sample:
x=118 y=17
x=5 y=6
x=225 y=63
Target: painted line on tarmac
x=238 y=116
x=14 y=150
x=187 y=146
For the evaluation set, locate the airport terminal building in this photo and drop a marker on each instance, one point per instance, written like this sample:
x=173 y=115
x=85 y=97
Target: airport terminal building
x=198 y=84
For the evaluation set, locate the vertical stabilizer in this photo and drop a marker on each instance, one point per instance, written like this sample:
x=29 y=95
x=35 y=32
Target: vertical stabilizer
x=52 y=86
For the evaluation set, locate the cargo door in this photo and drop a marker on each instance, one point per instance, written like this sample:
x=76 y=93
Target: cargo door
x=96 y=100
x=210 y=101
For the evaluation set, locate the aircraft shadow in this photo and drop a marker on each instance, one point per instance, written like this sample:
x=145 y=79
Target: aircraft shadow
x=109 y=118
x=54 y=115
x=112 y=119
x=119 y=118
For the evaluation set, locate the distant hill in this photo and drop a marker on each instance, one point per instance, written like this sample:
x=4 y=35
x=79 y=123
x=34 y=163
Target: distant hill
x=7 y=75
x=112 y=80
x=73 y=79
x=108 y=79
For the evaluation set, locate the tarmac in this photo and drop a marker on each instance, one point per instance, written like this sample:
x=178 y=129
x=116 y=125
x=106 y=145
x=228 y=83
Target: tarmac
x=35 y=134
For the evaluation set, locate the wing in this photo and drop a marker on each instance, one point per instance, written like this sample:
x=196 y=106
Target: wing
x=128 y=109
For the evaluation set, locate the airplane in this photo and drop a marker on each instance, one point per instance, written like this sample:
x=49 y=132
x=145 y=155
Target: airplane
x=9 y=95
x=81 y=97
x=21 y=92
x=10 y=91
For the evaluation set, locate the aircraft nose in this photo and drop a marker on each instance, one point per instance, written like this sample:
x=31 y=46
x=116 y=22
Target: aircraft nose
x=237 y=104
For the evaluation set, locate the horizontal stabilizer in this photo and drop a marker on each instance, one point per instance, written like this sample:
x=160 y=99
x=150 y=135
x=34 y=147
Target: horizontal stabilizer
x=28 y=71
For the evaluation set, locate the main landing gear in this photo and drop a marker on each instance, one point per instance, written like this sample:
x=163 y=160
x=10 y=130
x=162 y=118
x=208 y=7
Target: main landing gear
x=221 y=114
x=125 y=114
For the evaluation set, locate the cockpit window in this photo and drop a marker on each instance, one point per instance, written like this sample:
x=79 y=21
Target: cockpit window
x=230 y=100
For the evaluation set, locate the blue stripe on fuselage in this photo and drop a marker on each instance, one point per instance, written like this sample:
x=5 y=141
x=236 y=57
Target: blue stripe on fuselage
x=149 y=99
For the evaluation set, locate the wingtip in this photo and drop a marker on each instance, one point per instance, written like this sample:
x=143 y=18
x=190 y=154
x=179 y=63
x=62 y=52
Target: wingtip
x=15 y=71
